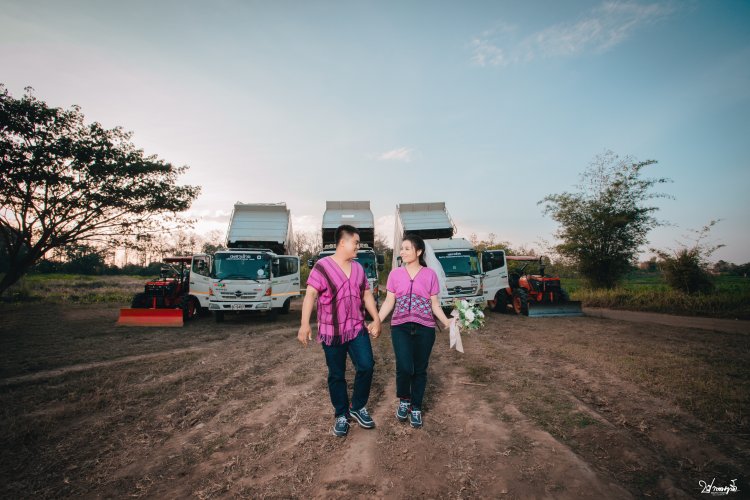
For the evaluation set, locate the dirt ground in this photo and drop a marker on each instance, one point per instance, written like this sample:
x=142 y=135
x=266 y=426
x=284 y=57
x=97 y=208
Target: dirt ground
x=535 y=408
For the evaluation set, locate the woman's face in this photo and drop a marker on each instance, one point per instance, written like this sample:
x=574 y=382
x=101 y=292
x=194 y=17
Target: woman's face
x=408 y=252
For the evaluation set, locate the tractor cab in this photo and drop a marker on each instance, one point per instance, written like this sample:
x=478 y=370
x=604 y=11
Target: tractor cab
x=534 y=279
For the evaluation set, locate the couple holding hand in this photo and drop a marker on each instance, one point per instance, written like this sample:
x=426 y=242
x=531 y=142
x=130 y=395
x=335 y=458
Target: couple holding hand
x=339 y=285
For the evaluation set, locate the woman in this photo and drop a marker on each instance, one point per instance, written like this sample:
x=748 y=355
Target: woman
x=413 y=297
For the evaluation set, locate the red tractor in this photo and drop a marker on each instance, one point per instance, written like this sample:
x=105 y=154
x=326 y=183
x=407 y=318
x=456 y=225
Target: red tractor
x=538 y=294
x=165 y=301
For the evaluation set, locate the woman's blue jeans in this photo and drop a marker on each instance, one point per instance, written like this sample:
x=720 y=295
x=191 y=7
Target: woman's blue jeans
x=412 y=344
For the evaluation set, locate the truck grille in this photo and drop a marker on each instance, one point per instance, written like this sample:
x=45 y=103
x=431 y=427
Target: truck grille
x=457 y=290
x=238 y=296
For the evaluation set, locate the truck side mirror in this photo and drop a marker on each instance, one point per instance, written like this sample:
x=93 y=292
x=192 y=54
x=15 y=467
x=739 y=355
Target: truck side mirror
x=310 y=263
x=381 y=259
x=398 y=260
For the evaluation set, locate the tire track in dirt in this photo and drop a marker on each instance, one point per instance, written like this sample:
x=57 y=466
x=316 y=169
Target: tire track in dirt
x=225 y=423
x=648 y=449
x=57 y=372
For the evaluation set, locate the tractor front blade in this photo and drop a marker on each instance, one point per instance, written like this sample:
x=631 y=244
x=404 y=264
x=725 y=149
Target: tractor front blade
x=570 y=308
x=150 y=317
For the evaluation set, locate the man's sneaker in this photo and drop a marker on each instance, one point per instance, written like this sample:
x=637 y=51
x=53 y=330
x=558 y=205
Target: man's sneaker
x=341 y=427
x=415 y=418
x=362 y=418
x=402 y=413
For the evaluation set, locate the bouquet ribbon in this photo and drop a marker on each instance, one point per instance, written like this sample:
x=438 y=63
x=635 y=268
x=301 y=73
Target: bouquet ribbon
x=455 y=333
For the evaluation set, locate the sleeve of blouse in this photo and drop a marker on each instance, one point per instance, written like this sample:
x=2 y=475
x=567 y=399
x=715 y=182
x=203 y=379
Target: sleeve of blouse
x=434 y=285
x=390 y=285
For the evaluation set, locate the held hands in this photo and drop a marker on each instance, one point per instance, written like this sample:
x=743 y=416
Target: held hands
x=374 y=329
x=304 y=335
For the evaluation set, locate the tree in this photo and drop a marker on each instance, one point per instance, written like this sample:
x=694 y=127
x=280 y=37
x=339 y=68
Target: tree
x=604 y=224
x=686 y=268
x=65 y=182
x=213 y=242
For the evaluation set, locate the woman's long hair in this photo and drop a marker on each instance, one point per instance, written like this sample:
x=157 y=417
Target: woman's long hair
x=418 y=244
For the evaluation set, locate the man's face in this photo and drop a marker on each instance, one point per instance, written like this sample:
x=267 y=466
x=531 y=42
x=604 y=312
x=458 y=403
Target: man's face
x=349 y=245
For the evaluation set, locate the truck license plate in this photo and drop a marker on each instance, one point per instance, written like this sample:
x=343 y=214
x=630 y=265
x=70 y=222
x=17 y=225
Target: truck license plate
x=238 y=306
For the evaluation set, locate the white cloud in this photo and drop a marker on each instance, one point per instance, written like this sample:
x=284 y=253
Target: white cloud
x=604 y=27
x=401 y=154
x=306 y=223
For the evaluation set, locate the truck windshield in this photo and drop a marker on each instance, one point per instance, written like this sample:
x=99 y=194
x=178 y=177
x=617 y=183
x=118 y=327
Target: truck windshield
x=247 y=266
x=459 y=262
x=367 y=259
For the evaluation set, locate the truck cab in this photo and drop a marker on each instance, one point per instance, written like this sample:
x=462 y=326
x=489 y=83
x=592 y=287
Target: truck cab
x=252 y=280
x=460 y=265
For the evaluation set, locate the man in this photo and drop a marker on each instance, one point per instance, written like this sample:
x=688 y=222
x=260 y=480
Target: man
x=340 y=286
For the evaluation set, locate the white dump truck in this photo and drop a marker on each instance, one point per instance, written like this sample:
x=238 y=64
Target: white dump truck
x=359 y=215
x=257 y=271
x=460 y=270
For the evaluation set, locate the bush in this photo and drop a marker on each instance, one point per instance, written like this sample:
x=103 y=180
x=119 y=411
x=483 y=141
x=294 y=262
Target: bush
x=685 y=271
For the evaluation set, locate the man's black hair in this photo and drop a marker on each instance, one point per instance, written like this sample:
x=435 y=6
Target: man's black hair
x=344 y=229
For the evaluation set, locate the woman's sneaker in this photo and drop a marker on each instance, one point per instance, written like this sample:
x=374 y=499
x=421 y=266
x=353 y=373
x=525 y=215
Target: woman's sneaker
x=415 y=419
x=402 y=412
x=362 y=418
x=341 y=426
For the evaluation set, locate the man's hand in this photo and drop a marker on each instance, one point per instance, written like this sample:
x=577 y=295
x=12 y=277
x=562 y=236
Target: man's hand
x=374 y=329
x=304 y=335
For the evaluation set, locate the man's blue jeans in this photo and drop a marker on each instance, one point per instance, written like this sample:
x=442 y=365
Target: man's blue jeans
x=360 y=350
x=412 y=345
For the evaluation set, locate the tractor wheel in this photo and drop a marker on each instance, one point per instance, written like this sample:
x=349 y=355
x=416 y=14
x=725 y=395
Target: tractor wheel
x=139 y=301
x=501 y=301
x=286 y=306
x=564 y=297
x=521 y=301
x=190 y=308
x=219 y=316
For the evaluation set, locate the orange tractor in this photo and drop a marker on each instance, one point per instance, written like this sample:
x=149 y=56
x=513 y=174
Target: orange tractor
x=165 y=301
x=537 y=294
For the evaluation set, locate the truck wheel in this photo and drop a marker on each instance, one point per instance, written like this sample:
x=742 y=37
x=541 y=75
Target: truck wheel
x=521 y=301
x=219 y=316
x=189 y=308
x=501 y=301
x=139 y=301
x=286 y=306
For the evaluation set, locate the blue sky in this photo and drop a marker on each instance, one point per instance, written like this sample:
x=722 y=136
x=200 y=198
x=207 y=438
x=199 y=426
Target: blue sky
x=488 y=106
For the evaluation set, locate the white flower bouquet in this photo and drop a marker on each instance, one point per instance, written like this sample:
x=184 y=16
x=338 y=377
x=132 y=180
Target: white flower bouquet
x=466 y=316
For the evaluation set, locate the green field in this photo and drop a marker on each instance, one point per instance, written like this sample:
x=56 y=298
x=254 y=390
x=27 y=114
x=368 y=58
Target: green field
x=76 y=288
x=649 y=292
